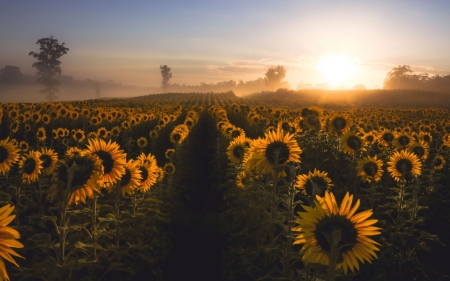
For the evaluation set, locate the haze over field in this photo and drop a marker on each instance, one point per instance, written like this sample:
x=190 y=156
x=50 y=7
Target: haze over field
x=321 y=44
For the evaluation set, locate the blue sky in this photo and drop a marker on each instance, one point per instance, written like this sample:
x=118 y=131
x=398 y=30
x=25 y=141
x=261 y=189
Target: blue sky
x=213 y=41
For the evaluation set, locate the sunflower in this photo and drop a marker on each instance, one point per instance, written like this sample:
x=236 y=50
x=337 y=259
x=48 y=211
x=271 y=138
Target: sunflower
x=370 y=137
x=338 y=124
x=115 y=131
x=402 y=140
x=27 y=127
x=420 y=149
x=286 y=126
x=273 y=152
x=404 y=165
x=142 y=142
x=131 y=179
x=352 y=144
x=169 y=168
x=9 y=155
x=370 y=169
x=72 y=151
x=426 y=137
x=237 y=149
x=49 y=160
x=147 y=159
x=23 y=146
x=14 y=126
x=78 y=135
x=236 y=132
x=31 y=166
x=89 y=170
x=153 y=134
x=149 y=173
x=169 y=153
x=113 y=159
x=8 y=240
x=312 y=122
x=439 y=162
x=40 y=134
x=386 y=138
x=315 y=183
x=326 y=222
x=35 y=117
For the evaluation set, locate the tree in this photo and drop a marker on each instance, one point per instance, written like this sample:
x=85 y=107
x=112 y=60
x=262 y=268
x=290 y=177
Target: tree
x=11 y=74
x=48 y=65
x=275 y=76
x=166 y=75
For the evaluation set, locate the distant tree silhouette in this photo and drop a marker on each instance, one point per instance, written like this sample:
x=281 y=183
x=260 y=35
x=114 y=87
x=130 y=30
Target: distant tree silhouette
x=275 y=76
x=166 y=75
x=11 y=74
x=402 y=77
x=48 y=65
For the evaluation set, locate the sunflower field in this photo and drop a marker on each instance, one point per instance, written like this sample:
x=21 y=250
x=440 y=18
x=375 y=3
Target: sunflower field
x=209 y=186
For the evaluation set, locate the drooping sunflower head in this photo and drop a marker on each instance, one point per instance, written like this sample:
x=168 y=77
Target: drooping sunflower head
x=352 y=144
x=31 y=166
x=404 y=165
x=9 y=155
x=315 y=183
x=370 y=169
x=113 y=159
x=286 y=126
x=49 y=160
x=328 y=224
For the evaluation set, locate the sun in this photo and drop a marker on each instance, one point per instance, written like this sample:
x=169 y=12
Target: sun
x=337 y=69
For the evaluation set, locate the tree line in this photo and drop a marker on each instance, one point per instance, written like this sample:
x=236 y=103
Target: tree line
x=402 y=77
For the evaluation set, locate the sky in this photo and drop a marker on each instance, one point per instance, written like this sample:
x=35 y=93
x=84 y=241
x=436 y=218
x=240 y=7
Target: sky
x=212 y=41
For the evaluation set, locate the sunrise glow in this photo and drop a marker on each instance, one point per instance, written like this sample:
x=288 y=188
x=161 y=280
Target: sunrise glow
x=337 y=69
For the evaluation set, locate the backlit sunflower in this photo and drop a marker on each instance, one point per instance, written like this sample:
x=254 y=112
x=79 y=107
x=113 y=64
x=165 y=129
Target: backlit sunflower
x=78 y=135
x=241 y=179
x=404 y=165
x=9 y=155
x=273 y=152
x=315 y=183
x=130 y=180
x=8 y=240
x=30 y=166
x=340 y=223
x=101 y=132
x=370 y=137
x=338 y=124
x=142 y=142
x=370 y=169
x=286 y=126
x=420 y=149
x=169 y=168
x=115 y=131
x=49 y=160
x=89 y=170
x=237 y=149
x=352 y=144
x=40 y=134
x=113 y=159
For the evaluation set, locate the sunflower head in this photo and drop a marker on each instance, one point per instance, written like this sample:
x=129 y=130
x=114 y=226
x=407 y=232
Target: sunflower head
x=31 y=166
x=404 y=165
x=9 y=155
x=370 y=169
x=329 y=232
x=49 y=160
x=169 y=168
x=315 y=183
x=352 y=144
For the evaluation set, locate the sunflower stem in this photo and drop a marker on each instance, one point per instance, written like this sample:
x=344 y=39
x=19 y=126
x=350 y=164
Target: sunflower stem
x=334 y=254
x=117 y=214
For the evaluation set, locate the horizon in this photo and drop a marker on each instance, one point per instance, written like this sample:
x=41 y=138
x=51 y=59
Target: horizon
x=320 y=43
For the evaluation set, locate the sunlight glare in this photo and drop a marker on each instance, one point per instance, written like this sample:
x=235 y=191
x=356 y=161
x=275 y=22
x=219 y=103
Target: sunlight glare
x=337 y=69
